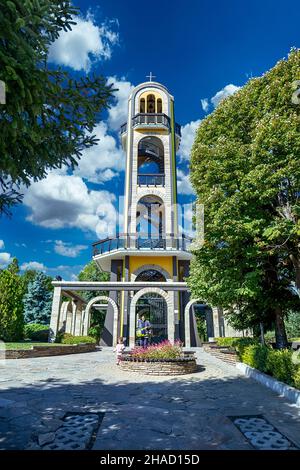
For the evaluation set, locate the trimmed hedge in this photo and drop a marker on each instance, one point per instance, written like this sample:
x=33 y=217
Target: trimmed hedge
x=277 y=363
x=36 y=332
x=239 y=344
x=67 y=338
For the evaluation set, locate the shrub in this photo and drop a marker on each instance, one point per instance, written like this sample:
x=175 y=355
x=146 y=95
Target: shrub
x=95 y=332
x=239 y=344
x=163 y=350
x=225 y=341
x=67 y=338
x=11 y=306
x=297 y=378
x=36 y=332
x=255 y=356
x=279 y=364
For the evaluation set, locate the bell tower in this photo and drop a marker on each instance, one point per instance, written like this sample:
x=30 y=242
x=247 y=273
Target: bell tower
x=151 y=248
x=150 y=139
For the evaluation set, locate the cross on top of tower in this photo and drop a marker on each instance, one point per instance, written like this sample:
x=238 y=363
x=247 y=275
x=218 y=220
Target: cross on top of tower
x=150 y=76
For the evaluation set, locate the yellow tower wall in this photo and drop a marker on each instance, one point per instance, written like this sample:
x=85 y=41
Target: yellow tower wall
x=164 y=262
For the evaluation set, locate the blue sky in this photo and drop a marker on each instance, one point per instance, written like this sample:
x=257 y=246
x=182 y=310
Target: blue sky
x=201 y=50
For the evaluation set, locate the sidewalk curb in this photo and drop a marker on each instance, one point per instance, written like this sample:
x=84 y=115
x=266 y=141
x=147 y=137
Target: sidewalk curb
x=290 y=393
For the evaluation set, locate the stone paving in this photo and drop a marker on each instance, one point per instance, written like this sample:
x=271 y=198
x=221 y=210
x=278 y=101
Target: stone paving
x=108 y=408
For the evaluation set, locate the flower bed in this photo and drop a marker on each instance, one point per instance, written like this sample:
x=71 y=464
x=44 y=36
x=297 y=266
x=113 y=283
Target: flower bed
x=160 y=359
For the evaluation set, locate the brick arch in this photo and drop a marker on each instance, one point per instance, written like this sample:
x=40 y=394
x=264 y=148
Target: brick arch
x=116 y=314
x=136 y=297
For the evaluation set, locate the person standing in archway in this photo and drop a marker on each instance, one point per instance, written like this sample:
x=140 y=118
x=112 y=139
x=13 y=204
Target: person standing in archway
x=143 y=331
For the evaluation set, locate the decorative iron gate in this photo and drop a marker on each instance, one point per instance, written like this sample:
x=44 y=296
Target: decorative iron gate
x=154 y=307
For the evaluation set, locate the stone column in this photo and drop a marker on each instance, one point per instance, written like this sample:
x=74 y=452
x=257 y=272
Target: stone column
x=69 y=321
x=108 y=329
x=56 y=304
x=176 y=300
x=216 y=319
x=126 y=304
x=78 y=319
x=187 y=331
x=171 y=317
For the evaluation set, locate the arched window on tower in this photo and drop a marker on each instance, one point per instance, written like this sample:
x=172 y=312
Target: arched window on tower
x=151 y=162
x=151 y=104
x=142 y=105
x=159 y=105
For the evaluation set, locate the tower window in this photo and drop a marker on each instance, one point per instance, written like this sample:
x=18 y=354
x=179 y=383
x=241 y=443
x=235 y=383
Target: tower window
x=159 y=105
x=151 y=104
x=142 y=105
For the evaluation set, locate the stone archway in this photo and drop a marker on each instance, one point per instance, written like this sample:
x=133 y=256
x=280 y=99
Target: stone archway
x=136 y=297
x=87 y=315
x=187 y=327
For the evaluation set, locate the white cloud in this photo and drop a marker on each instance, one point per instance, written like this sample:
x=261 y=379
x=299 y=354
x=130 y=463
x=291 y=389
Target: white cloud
x=205 y=104
x=1 y=244
x=85 y=44
x=103 y=161
x=60 y=201
x=228 y=90
x=187 y=139
x=5 y=259
x=67 y=249
x=33 y=265
x=183 y=183
x=117 y=114
x=19 y=245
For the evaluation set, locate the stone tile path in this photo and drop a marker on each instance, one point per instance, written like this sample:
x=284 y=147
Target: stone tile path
x=186 y=412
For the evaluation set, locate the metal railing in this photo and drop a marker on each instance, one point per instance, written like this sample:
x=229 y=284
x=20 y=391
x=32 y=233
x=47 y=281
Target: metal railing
x=125 y=242
x=124 y=128
x=151 y=179
x=152 y=119
x=178 y=129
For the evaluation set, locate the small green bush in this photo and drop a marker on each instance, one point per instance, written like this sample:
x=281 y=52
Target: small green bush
x=279 y=364
x=297 y=378
x=36 y=332
x=95 y=332
x=67 y=338
x=228 y=342
x=239 y=344
x=255 y=356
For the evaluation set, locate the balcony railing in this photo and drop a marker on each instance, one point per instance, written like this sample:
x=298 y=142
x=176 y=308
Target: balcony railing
x=126 y=242
x=152 y=120
x=124 y=128
x=150 y=179
x=178 y=129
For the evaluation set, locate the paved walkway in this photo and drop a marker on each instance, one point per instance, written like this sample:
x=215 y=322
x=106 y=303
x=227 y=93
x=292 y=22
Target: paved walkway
x=186 y=412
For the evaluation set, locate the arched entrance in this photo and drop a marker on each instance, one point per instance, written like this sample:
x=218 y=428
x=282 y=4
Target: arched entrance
x=155 y=303
x=152 y=305
x=190 y=322
x=87 y=315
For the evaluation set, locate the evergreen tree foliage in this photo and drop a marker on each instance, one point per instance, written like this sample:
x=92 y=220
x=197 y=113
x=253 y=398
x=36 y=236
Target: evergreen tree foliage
x=48 y=118
x=11 y=306
x=38 y=300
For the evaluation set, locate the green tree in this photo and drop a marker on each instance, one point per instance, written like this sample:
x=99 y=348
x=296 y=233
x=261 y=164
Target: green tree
x=92 y=273
x=11 y=306
x=49 y=116
x=245 y=170
x=38 y=300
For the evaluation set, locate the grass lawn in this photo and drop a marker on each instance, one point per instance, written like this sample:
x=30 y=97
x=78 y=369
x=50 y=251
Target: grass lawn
x=29 y=344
